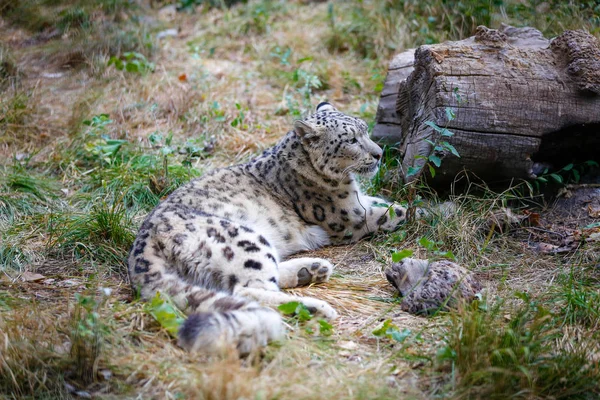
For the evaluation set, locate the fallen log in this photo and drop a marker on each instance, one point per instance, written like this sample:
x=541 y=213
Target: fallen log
x=513 y=99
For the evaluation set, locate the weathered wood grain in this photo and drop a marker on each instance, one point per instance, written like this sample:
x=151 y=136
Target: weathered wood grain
x=387 y=118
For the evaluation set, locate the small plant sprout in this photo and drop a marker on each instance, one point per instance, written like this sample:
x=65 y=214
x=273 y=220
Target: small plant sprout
x=163 y=310
x=300 y=314
x=133 y=62
x=434 y=248
x=391 y=331
x=570 y=173
x=439 y=148
x=398 y=256
x=88 y=334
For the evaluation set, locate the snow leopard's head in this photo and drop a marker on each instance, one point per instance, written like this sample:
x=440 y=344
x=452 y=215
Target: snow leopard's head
x=338 y=144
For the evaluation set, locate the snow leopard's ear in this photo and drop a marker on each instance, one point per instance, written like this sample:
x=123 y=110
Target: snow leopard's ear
x=325 y=106
x=304 y=129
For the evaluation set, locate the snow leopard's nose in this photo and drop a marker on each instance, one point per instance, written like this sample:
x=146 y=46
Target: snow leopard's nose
x=377 y=155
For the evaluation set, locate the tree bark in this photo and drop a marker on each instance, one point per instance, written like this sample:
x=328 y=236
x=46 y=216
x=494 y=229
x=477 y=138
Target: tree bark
x=517 y=98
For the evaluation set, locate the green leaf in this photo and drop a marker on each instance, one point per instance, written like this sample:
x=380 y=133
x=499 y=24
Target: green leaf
x=303 y=313
x=303 y=59
x=450 y=148
x=447 y=254
x=591 y=163
x=166 y=151
x=155 y=138
x=399 y=236
x=431 y=170
x=412 y=171
x=165 y=313
x=399 y=336
x=391 y=331
x=557 y=178
x=296 y=308
x=392 y=212
x=450 y=114
x=289 y=308
x=387 y=324
x=325 y=328
x=446 y=353
x=428 y=244
x=132 y=66
x=430 y=142
x=433 y=125
x=115 y=61
x=522 y=296
x=120 y=65
x=568 y=167
x=456 y=94
x=447 y=133
x=542 y=179
x=435 y=160
x=400 y=255
x=576 y=176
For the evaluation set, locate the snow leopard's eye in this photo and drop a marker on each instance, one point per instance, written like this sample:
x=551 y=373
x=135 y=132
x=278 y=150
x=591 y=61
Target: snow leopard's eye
x=354 y=140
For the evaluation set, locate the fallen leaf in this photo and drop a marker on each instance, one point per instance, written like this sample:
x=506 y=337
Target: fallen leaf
x=31 y=277
x=183 y=77
x=532 y=217
x=593 y=212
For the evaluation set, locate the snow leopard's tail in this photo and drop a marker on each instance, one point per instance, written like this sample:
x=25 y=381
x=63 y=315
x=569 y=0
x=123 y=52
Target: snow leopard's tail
x=217 y=321
x=247 y=330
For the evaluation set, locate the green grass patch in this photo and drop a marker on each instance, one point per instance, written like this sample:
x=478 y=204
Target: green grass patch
x=380 y=28
x=103 y=234
x=24 y=192
x=78 y=33
x=500 y=351
x=578 y=303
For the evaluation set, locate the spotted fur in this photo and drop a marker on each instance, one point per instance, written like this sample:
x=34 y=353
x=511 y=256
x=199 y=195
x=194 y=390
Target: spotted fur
x=427 y=287
x=217 y=245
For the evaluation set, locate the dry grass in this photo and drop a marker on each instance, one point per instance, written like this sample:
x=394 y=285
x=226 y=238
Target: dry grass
x=227 y=85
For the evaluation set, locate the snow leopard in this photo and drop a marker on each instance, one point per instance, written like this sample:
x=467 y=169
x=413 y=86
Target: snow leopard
x=217 y=246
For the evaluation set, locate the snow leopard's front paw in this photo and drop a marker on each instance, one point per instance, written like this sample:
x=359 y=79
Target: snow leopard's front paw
x=393 y=218
x=317 y=270
x=304 y=271
x=319 y=307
